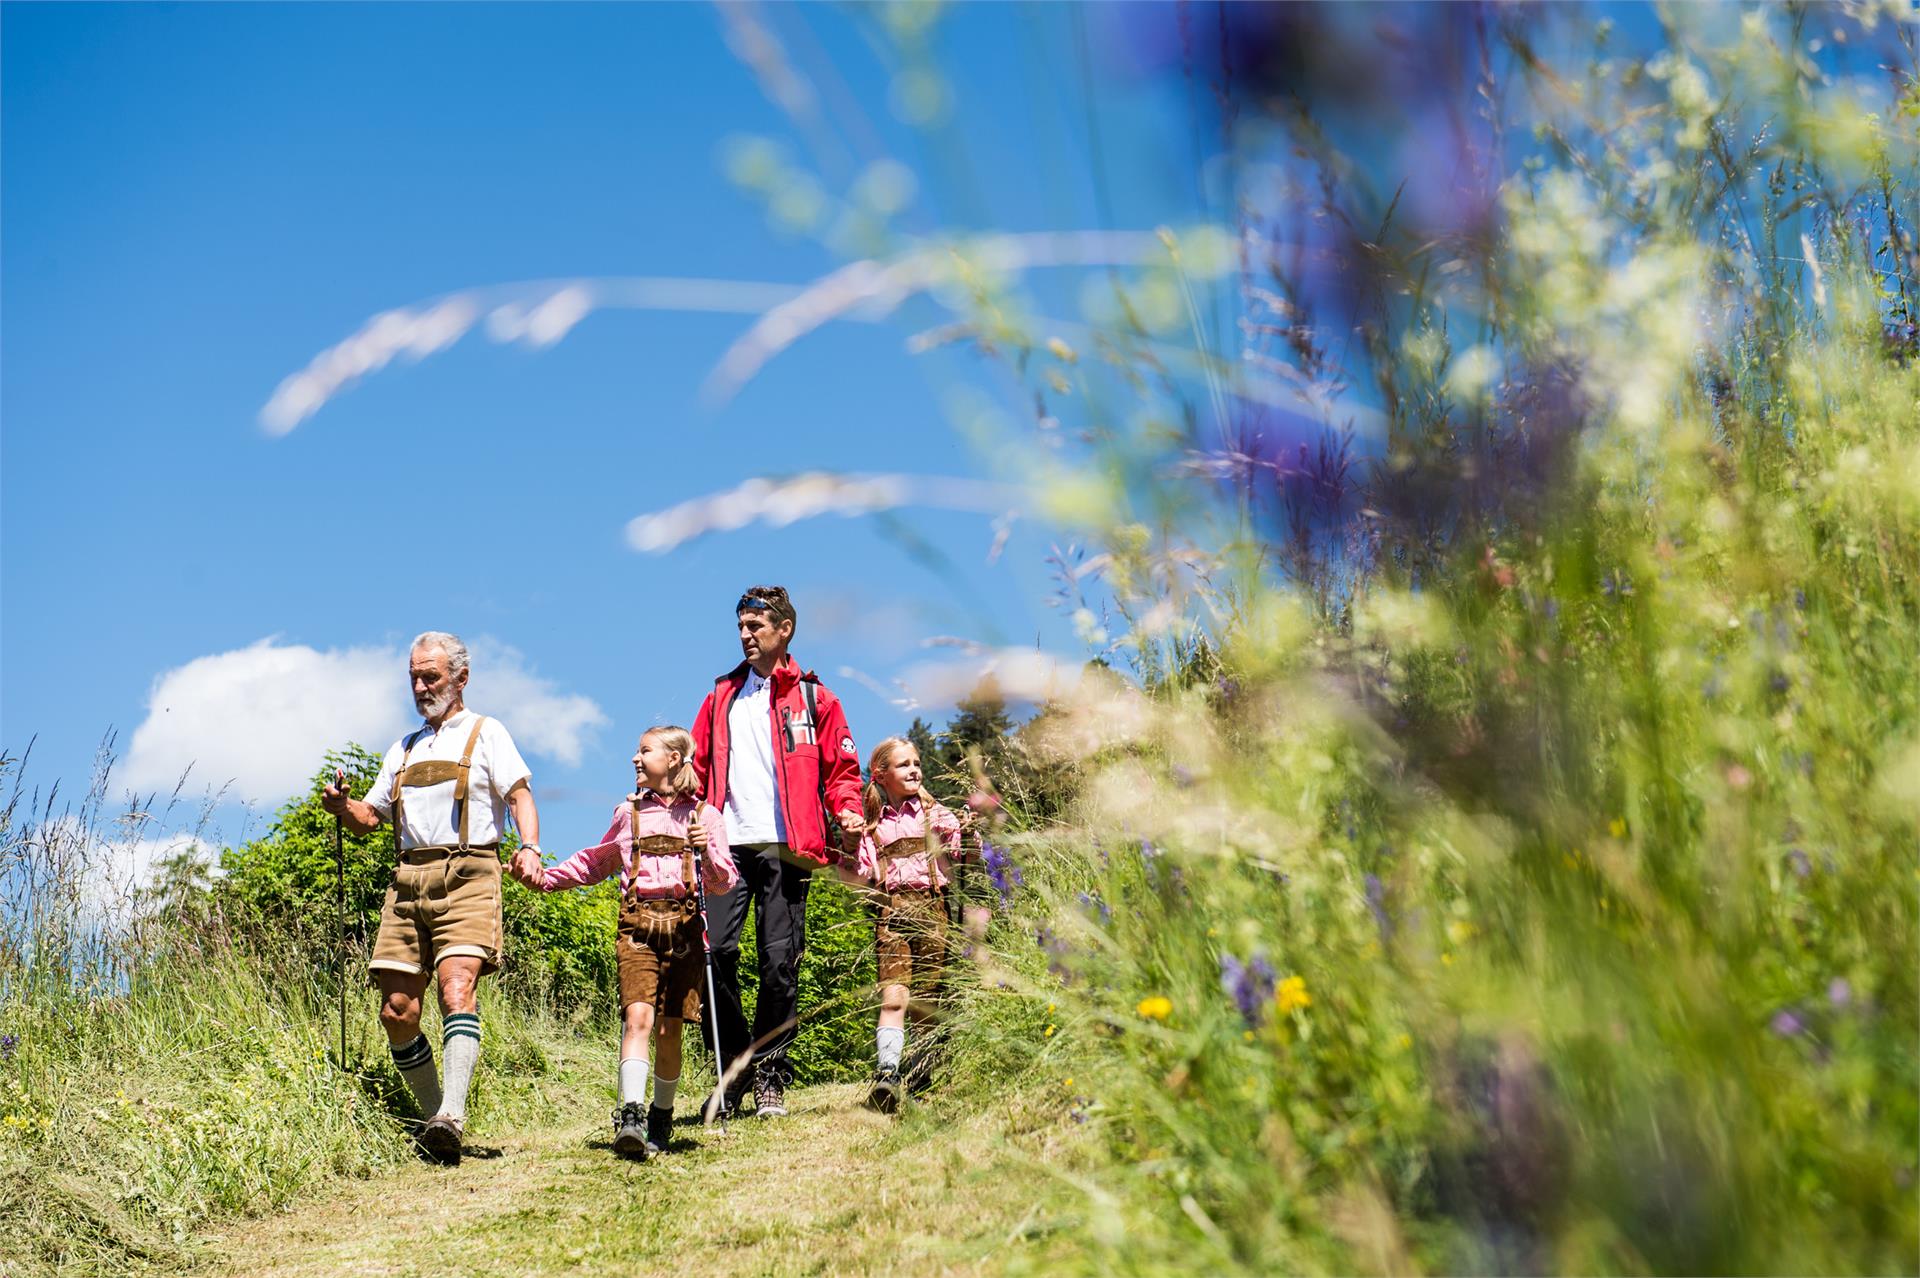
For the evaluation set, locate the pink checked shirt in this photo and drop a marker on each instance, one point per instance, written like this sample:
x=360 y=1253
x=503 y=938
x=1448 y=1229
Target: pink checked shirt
x=906 y=822
x=656 y=876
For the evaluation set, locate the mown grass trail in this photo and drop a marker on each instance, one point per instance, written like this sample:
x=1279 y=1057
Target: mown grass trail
x=830 y=1189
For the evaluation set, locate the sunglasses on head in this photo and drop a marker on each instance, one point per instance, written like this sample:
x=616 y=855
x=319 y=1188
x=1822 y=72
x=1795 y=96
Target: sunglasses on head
x=752 y=603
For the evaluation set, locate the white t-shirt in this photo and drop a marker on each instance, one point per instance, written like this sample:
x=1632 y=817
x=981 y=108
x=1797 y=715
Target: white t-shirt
x=428 y=811
x=753 y=802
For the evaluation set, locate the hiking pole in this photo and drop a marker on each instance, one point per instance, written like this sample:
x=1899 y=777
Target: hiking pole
x=340 y=879
x=706 y=953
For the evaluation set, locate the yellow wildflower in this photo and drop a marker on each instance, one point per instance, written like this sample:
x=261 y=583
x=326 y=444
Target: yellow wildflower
x=1049 y=1033
x=1617 y=827
x=1292 y=995
x=1066 y=1082
x=1156 y=1008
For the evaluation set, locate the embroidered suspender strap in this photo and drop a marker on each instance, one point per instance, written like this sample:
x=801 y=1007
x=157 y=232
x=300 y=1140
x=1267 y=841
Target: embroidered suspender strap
x=660 y=845
x=393 y=802
x=436 y=772
x=466 y=767
x=633 y=848
x=688 y=865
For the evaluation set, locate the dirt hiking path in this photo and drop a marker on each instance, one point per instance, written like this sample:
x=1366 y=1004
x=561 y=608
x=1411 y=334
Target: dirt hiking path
x=830 y=1189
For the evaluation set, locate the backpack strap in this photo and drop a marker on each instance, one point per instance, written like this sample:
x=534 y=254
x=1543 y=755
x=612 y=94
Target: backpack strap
x=829 y=825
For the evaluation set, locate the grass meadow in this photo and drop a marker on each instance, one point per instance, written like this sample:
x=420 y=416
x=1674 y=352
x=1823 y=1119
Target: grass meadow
x=1482 y=832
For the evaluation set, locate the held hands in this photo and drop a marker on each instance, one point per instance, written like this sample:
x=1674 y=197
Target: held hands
x=696 y=832
x=527 y=869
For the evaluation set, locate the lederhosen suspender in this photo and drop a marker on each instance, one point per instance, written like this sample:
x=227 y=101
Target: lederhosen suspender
x=658 y=845
x=435 y=772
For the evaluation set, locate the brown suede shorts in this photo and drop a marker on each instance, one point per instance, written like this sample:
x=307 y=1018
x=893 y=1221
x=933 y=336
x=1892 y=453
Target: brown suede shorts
x=443 y=904
x=661 y=962
x=912 y=939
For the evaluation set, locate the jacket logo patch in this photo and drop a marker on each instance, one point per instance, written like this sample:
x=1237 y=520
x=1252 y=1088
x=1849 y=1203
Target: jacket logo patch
x=846 y=746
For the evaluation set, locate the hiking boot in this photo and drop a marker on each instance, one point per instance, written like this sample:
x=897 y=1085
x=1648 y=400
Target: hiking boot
x=886 y=1093
x=730 y=1104
x=629 y=1133
x=916 y=1072
x=769 y=1094
x=440 y=1140
x=659 y=1127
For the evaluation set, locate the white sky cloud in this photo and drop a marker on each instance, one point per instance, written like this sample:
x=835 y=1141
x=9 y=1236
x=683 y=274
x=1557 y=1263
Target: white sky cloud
x=261 y=718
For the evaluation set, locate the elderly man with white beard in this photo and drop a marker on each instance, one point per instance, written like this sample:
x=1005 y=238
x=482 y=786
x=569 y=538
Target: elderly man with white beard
x=447 y=788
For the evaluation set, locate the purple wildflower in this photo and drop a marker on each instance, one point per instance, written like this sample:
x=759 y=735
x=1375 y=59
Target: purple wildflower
x=1787 y=1023
x=1249 y=985
x=1377 y=903
x=1798 y=860
x=1001 y=871
x=1094 y=904
x=1840 y=992
x=9 y=1043
x=1182 y=777
x=1147 y=851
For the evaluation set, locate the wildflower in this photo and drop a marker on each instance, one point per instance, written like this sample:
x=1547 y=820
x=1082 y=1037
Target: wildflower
x=1840 y=992
x=1066 y=1082
x=9 y=1043
x=1617 y=827
x=1377 y=903
x=1147 y=851
x=1249 y=984
x=1802 y=866
x=1787 y=1023
x=1155 y=1008
x=1001 y=871
x=1292 y=995
x=1049 y=1033
x=1095 y=904
x=1182 y=777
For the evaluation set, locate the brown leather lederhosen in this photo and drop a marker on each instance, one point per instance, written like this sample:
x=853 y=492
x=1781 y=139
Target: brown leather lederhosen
x=445 y=899
x=912 y=932
x=659 y=938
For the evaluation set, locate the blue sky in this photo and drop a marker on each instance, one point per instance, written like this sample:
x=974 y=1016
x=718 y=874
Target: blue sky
x=198 y=200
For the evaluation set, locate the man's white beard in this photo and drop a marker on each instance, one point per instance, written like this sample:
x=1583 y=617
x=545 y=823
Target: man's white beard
x=435 y=707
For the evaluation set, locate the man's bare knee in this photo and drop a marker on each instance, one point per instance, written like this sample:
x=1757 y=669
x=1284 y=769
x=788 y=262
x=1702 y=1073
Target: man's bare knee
x=457 y=983
x=400 y=1011
x=640 y=1017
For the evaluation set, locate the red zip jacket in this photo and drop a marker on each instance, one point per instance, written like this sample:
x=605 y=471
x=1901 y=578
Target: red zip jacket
x=802 y=752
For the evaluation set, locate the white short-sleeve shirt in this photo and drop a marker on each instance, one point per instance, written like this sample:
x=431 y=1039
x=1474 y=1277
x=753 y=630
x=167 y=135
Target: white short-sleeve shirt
x=430 y=816
x=753 y=803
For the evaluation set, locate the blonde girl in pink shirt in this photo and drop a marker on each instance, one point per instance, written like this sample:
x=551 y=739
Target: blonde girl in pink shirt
x=651 y=845
x=905 y=857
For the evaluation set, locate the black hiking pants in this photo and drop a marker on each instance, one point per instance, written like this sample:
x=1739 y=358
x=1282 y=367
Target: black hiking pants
x=778 y=891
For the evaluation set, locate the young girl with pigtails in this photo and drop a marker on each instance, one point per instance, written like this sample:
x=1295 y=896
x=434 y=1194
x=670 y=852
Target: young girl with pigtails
x=906 y=858
x=656 y=837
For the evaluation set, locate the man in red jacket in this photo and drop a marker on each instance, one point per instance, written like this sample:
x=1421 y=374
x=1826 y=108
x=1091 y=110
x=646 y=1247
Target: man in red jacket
x=772 y=749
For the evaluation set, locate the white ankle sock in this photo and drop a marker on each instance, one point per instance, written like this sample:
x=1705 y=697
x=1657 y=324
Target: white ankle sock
x=633 y=1080
x=664 y=1090
x=891 y=1040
